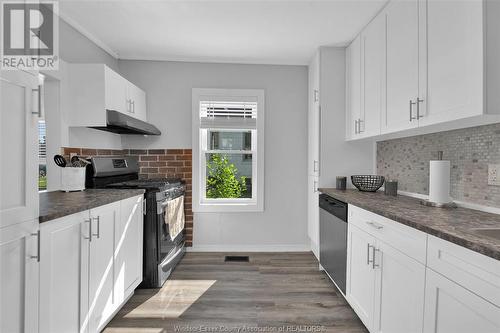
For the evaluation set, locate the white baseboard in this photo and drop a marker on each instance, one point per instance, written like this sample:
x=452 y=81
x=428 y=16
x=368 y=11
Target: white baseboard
x=250 y=248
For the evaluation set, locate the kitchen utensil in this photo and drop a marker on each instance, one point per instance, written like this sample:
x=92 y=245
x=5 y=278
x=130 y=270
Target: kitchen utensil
x=60 y=161
x=367 y=183
x=79 y=162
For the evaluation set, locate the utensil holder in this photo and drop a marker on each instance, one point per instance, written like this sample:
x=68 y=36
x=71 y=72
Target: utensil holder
x=72 y=179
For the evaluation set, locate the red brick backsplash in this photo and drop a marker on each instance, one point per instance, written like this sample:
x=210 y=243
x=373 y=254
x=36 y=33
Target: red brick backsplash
x=155 y=163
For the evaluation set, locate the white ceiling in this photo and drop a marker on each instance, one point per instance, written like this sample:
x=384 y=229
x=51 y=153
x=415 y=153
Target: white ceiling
x=232 y=31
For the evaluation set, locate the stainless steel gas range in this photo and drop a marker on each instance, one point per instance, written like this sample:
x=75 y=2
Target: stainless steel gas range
x=161 y=252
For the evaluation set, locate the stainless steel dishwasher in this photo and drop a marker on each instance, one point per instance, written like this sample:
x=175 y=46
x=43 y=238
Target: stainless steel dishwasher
x=333 y=239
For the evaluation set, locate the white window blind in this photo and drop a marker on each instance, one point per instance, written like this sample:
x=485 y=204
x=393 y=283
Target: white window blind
x=228 y=114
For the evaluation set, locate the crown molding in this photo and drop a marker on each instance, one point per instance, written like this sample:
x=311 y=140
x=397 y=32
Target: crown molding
x=217 y=60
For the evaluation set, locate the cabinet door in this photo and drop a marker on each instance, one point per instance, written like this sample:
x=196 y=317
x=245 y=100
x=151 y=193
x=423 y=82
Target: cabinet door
x=64 y=274
x=353 y=76
x=451 y=60
x=115 y=92
x=19 y=277
x=128 y=248
x=18 y=147
x=314 y=118
x=137 y=99
x=313 y=213
x=373 y=76
x=101 y=265
x=399 y=291
x=402 y=65
x=450 y=308
x=360 y=291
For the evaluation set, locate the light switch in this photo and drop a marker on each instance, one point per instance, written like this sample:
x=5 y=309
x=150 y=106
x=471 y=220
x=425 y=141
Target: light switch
x=494 y=174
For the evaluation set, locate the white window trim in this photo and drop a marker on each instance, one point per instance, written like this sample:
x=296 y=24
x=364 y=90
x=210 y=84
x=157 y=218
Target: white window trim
x=227 y=205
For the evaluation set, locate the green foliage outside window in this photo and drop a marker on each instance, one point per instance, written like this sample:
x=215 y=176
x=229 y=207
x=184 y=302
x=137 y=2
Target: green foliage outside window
x=222 y=178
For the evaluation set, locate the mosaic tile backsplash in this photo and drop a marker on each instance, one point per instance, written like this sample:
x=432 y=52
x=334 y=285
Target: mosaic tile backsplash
x=469 y=150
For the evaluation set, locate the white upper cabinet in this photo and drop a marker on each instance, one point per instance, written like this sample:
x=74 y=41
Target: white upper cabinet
x=95 y=88
x=451 y=74
x=137 y=101
x=18 y=147
x=354 y=83
x=402 y=66
x=440 y=68
x=373 y=76
x=115 y=87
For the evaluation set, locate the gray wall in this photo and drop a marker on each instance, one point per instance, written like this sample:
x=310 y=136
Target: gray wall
x=75 y=47
x=168 y=86
x=470 y=151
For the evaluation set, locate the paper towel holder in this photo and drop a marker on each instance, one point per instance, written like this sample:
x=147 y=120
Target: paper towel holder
x=436 y=204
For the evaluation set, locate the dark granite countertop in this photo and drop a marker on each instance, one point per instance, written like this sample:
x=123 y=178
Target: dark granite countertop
x=455 y=225
x=57 y=204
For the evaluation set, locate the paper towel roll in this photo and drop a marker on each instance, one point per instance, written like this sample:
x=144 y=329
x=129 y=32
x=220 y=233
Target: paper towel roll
x=439 y=182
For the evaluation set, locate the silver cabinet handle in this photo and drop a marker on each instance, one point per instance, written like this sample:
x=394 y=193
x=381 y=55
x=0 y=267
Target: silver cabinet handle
x=315 y=165
x=411 y=110
x=375 y=225
x=315 y=186
x=144 y=206
x=355 y=127
x=37 y=257
x=98 y=219
x=368 y=261
x=316 y=95
x=129 y=105
x=375 y=265
x=89 y=221
x=132 y=103
x=359 y=125
x=418 y=107
x=38 y=98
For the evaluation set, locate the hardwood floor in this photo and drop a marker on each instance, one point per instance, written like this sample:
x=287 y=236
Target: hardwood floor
x=274 y=292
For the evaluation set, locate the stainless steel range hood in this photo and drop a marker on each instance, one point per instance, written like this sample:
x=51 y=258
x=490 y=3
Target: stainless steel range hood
x=123 y=124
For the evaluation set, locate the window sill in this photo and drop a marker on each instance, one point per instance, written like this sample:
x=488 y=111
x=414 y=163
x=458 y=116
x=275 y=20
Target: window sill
x=227 y=207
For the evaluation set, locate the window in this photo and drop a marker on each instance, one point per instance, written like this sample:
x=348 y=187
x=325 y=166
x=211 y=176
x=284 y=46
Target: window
x=42 y=156
x=228 y=150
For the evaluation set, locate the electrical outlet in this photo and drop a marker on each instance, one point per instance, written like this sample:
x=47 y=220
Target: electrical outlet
x=494 y=174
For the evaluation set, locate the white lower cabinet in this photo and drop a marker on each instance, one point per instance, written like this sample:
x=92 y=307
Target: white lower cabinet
x=128 y=248
x=360 y=288
x=399 y=291
x=402 y=280
x=101 y=265
x=19 y=277
x=378 y=289
x=64 y=249
x=80 y=257
x=451 y=308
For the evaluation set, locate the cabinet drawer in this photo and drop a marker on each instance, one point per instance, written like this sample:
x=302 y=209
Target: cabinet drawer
x=474 y=271
x=410 y=241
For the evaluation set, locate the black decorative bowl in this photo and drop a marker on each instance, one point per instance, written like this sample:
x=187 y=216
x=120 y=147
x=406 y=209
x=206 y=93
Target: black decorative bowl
x=367 y=183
